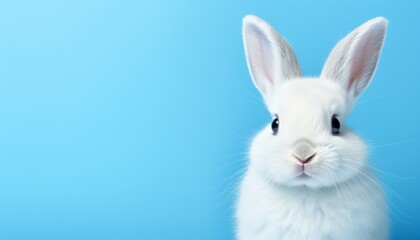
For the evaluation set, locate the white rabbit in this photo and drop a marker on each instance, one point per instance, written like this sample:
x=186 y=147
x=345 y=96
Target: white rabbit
x=308 y=176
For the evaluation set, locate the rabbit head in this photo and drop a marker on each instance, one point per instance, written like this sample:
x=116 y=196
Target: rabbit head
x=307 y=142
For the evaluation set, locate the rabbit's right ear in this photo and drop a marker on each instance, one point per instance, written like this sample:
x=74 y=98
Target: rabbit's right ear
x=270 y=58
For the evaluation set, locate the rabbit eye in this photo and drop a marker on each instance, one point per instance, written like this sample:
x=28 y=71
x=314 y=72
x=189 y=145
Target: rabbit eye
x=335 y=126
x=275 y=125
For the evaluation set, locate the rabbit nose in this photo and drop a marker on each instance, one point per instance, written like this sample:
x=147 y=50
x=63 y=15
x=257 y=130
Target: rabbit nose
x=305 y=160
x=304 y=152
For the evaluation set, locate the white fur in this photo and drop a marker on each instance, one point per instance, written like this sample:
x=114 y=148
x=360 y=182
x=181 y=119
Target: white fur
x=339 y=198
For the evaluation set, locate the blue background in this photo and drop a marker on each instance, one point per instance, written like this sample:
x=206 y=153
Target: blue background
x=131 y=119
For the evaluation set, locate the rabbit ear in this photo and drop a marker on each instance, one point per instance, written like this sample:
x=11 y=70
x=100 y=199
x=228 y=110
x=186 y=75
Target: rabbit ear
x=353 y=60
x=270 y=58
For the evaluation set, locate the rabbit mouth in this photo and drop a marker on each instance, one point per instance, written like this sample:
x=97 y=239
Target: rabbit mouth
x=302 y=172
x=303 y=175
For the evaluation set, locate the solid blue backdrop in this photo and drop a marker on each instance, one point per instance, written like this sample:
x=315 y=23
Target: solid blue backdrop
x=131 y=119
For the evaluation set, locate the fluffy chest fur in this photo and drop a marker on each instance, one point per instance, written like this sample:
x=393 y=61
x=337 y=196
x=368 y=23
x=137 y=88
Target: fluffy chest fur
x=351 y=210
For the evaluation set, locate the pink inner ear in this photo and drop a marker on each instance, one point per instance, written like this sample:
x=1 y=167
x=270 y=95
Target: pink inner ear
x=267 y=58
x=360 y=62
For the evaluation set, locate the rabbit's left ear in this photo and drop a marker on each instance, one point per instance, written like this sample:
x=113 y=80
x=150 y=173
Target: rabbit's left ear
x=270 y=58
x=352 y=62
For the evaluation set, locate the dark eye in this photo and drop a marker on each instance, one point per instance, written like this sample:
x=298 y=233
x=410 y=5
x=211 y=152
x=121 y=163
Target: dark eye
x=275 y=125
x=335 y=126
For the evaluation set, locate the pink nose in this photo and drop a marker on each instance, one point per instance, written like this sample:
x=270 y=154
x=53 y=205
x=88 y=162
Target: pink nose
x=305 y=160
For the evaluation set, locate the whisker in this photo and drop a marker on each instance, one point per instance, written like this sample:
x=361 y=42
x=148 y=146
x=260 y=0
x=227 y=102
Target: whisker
x=373 y=99
x=229 y=189
x=395 y=143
